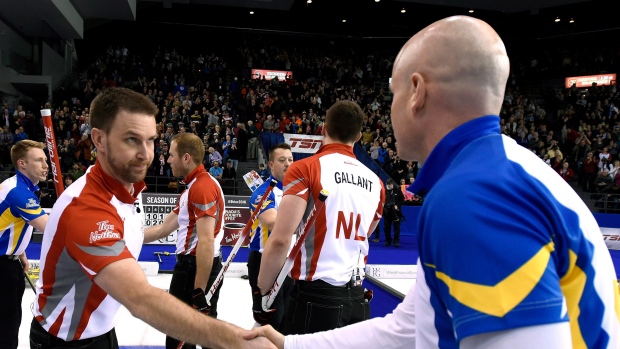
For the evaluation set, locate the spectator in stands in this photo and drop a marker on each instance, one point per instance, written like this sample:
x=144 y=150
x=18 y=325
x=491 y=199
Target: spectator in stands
x=68 y=181
x=161 y=166
x=66 y=154
x=242 y=142
x=373 y=151
x=214 y=156
x=252 y=140
x=46 y=200
x=234 y=153
x=85 y=128
x=269 y=125
x=216 y=171
x=225 y=147
x=6 y=141
x=602 y=181
x=229 y=176
x=20 y=135
x=76 y=171
x=411 y=171
x=614 y=168
x=566 y=172
x=263 y=172
x=589 y=172
x=84 y=148
x=384 y=155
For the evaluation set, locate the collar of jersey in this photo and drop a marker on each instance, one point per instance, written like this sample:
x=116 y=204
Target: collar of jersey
x=31 y=186
x=278 y=183
x=337 y=148
x=192 y=175
x=117 y=189
x=448 y=148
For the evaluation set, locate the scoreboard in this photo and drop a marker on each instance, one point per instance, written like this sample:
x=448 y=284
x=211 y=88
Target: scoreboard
x=158 y=206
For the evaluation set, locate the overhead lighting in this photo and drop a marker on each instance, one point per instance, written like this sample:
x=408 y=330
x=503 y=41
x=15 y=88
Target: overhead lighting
x=471 y=11
x=251 y=12
x=403 y=10
x=557 y=19
x=571 y=21
x=344 y=21
x=377 y=0
x=309 y=1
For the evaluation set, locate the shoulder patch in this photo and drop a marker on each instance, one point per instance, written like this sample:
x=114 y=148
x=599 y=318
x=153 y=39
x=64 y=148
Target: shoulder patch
x=31 y=203
x=104 y=231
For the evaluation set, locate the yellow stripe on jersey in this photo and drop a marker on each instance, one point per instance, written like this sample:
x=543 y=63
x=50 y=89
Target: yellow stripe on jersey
x=573 y=284
x=508 y=292
x=37 y=211
x=6 y=219
x=253 y=228
x=19 y=227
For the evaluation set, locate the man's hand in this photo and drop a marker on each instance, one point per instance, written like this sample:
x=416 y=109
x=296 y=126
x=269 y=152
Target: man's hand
x=199 y=302
x=24 y=260
x=267 y=331
x=261 y=316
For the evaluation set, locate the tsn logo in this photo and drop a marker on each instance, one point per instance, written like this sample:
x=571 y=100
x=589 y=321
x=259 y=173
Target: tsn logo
x=305 y=143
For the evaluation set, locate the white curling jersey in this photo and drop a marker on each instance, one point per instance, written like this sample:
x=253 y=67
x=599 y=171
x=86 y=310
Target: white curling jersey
x=203 y=197
x=95 y=222
x=338 y=242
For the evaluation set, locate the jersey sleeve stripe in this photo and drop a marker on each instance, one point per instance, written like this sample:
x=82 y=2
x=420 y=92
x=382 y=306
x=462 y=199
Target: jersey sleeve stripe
x=511 y=290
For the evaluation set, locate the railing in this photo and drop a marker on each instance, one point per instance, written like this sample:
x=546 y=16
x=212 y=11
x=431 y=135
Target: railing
x=603 y=202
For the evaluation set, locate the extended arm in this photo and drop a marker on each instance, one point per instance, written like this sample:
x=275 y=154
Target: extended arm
x=157 y=307
x=204 y=251
x=268 y=218
x=551 y=336
x=157 y=232
x=291 y=211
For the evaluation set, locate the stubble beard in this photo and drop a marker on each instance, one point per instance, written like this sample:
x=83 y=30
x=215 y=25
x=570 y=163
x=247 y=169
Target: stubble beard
x=126 y=171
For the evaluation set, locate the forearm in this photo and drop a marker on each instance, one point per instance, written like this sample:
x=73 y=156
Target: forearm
x=152 y=233
x=204 y=263
x=272 y=261
x=157 y=308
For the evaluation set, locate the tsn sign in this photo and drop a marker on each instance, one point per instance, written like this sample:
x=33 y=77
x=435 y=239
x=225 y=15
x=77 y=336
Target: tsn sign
x=611 y=236
x=303 y=144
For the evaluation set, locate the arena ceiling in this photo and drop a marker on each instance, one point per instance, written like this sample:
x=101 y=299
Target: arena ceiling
x=71 y=19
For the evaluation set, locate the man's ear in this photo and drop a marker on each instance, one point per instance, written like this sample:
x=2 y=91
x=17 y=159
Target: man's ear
x=418 y=95
x=98 y=137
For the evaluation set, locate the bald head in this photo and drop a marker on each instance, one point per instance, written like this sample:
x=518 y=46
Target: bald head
x=458 y=52
x=452 y=71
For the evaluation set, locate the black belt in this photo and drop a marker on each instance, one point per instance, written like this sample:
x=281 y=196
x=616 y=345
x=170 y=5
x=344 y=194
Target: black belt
x=10 y=257
x=321 y=283
x=192 y=259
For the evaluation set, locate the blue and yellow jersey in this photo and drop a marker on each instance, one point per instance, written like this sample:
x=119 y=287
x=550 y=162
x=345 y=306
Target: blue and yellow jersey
x=506 y=243
x=18 y=206
x=259 y=232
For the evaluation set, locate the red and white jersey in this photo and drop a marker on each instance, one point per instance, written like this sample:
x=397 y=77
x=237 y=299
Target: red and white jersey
x=203 y=196
x=95 y=222
x=338 y=242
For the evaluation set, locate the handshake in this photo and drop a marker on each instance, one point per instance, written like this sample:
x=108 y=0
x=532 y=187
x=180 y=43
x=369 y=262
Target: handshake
x=273 y=339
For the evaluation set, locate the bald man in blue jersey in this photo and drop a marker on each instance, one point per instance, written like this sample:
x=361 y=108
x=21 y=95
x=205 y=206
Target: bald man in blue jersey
x=509 y=255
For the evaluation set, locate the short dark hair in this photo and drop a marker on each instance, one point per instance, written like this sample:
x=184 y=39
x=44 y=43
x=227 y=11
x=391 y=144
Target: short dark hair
x=106 y=106
x=343 y=122
x=272 y=150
